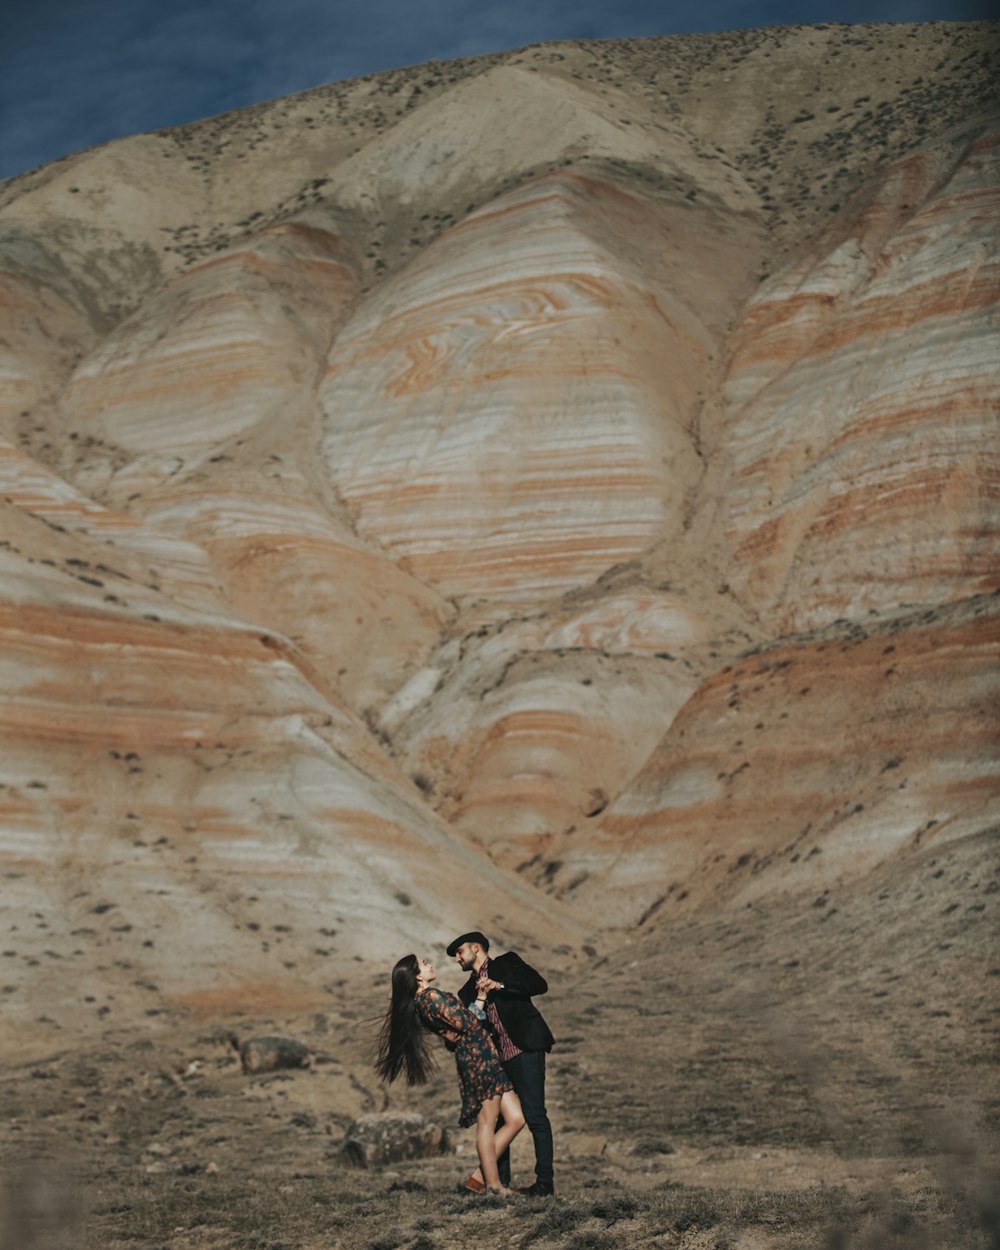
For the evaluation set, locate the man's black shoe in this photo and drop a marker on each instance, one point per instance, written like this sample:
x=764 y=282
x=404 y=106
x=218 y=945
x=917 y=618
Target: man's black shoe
x=538 y=1190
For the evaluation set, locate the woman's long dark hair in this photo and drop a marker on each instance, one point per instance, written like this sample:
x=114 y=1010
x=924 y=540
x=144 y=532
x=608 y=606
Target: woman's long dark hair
x=402 y=1040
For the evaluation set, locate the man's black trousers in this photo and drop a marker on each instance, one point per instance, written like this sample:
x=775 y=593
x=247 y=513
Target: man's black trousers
x=527 y=1075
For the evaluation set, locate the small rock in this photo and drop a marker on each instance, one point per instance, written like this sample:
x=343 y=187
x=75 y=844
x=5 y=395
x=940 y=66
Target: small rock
x=387 y=1137
x=268 y=1054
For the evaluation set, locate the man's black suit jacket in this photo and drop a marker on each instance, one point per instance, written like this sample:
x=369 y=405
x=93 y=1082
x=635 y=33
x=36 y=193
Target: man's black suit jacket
x=524 y=1023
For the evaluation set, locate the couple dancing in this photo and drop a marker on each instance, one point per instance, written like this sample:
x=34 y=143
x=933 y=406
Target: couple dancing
x=499 y=1040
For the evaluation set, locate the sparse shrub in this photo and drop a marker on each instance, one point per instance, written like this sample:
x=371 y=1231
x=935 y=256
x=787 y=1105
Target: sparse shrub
x=693 y=1209
x=619 y=1207
x=559 y=1218
x=646 y=1147
x=389 y=1241
x=592 y=1241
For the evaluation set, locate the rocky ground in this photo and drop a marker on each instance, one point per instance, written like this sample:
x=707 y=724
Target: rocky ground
x=809 y=1072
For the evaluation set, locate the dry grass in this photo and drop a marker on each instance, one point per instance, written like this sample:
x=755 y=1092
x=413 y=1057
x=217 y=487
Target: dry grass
x=785 y=1077
x=776 y=1110
x=265 y=1211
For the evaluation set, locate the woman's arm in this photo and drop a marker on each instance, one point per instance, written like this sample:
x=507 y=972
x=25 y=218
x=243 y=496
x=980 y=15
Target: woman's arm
x=443 y=1012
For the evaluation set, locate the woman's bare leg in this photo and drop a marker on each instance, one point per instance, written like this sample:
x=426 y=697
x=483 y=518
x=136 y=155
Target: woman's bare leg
x=513 y=1121
x=486 y=1142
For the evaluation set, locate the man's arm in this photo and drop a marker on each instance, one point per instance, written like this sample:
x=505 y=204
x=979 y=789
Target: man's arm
x=519 y=979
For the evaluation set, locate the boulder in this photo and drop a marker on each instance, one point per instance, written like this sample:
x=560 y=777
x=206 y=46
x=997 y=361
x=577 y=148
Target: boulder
x=388 y=1137
x=268 y=1054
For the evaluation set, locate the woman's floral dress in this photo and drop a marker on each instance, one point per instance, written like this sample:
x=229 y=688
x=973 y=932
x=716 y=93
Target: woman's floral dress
x=479 y=1073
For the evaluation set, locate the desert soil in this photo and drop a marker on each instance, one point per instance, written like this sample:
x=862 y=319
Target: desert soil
x=809 y=1072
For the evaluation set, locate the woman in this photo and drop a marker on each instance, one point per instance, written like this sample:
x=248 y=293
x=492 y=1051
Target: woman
x=416 y=1009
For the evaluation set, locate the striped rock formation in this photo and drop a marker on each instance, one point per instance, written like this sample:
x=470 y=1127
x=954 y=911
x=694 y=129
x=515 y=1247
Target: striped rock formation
x=859 y=467
x=575 y=461
x=521 y=732
x=512 y=413
x=43 y=339
x=232 y=343
x=800 y=766
x=207 y=397
x=183 y=801
x=853 y=463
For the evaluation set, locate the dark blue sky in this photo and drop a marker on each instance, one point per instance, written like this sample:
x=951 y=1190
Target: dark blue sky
x=78 y=72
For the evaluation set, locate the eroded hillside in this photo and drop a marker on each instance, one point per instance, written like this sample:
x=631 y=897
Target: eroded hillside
x=548 y=489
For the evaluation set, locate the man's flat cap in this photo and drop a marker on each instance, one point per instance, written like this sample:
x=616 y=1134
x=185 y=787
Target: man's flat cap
x=483 y=941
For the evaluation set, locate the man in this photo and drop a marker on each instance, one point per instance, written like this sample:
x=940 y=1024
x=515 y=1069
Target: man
x=521 y=1035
